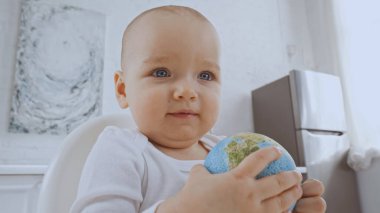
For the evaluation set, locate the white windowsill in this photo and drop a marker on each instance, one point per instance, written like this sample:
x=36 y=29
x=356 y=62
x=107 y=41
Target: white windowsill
x=303 y=170
x=23 y=169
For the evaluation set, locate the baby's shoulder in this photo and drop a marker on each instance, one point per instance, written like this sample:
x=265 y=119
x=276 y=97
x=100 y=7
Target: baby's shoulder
x=116 y=138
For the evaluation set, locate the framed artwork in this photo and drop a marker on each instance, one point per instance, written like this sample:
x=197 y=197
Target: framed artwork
x=59 y=68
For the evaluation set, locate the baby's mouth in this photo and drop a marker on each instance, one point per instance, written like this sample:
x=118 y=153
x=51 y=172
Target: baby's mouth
x=183 y=114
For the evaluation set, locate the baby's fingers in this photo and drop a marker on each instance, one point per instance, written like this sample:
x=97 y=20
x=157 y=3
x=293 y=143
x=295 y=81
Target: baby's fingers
x=254 y=163
x=283 y=201
x=276 y=184
x=311 y=205
x=312 y=188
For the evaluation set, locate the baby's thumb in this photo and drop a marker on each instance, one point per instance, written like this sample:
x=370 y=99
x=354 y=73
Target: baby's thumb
x=199 y=170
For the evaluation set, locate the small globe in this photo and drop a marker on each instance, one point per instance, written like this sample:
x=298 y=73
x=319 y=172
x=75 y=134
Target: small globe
x=228 y=153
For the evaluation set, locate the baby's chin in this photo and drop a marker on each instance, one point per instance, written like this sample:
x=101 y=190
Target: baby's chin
x=178 y=139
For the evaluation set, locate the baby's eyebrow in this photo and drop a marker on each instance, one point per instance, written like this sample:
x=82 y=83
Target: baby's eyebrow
x=158 y=59
x=208 y=63
x=163 y=59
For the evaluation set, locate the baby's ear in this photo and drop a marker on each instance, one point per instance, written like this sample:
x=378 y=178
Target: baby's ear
x=120 y=89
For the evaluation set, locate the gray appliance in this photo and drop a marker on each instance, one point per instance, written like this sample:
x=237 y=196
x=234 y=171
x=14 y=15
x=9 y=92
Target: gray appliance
x=304 y=112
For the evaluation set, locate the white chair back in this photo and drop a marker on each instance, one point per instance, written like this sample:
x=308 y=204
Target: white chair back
x=60 y=183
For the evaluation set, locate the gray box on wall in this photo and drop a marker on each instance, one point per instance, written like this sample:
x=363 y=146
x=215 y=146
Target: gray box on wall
x=273 y=116
x=304 y=112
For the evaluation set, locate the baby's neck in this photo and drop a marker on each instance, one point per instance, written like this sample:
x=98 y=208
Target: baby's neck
x=195 y=152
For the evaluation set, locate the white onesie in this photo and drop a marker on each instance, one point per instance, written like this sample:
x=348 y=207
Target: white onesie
x=124 y=172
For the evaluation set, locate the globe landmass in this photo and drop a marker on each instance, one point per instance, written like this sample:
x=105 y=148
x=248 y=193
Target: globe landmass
x=240 y=147
x=228 y=154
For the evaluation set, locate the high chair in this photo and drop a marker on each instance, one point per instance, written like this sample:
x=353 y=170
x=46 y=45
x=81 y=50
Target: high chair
x=60 y=182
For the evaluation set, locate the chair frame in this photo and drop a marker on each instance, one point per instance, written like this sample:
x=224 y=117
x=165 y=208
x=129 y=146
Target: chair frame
x=60 y=182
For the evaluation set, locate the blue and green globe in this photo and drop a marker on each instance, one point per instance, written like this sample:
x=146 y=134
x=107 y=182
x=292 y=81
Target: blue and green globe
x=228 y=153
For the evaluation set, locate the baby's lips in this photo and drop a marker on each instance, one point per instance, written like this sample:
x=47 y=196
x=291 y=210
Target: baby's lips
x=184 y=111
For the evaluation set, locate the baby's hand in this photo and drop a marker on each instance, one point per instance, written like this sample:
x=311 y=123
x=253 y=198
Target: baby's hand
x=238 y=190
x=311 y=201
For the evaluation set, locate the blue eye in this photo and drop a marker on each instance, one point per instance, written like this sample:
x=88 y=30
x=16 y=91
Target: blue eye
x=161 y=73
x=206 y=75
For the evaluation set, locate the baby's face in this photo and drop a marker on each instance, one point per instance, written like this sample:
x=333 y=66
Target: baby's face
x=172 y=78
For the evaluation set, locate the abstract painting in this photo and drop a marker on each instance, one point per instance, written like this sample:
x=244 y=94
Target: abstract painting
x=59 y=68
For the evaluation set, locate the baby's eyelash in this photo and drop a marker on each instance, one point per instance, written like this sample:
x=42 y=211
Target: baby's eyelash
x=207 y=75
x=161 y=73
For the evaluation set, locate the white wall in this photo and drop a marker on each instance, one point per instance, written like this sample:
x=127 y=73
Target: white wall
x=261 y=42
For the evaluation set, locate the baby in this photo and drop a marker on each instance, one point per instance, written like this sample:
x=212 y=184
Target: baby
x=170 y=79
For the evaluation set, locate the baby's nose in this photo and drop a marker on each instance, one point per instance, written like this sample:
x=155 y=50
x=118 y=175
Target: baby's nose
x=185 y=91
